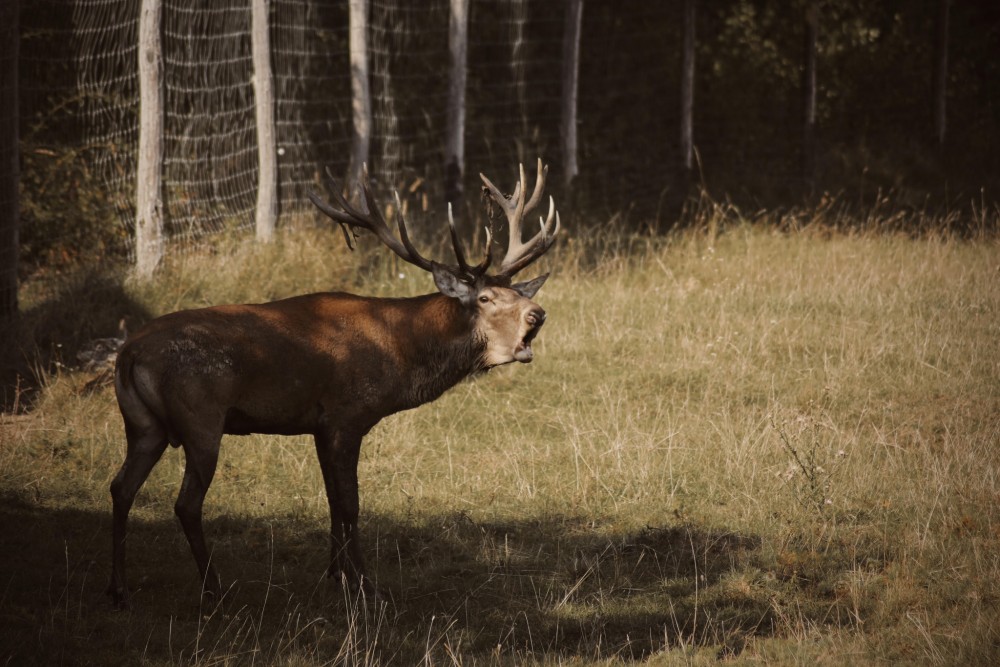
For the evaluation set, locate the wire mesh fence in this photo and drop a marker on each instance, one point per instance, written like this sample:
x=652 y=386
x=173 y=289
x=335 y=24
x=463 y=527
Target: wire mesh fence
x=210 y=166
x=80 y=105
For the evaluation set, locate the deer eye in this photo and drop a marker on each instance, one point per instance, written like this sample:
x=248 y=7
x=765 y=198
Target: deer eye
x=483 y=298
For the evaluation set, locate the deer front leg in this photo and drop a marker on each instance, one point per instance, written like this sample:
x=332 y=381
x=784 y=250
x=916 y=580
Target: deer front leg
x=338 y=452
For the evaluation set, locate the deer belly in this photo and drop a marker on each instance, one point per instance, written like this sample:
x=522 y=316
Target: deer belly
x=243 y=422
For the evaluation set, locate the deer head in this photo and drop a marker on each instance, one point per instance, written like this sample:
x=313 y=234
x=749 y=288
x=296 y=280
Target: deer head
x=505 y=319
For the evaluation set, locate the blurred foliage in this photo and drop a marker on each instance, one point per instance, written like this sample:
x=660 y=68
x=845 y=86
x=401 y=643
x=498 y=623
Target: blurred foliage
x=874 y=95
x=66 y=217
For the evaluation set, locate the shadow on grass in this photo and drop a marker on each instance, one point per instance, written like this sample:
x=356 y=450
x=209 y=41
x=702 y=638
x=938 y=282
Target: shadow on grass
x=86 y=306
x=552 y=586
x=451 y=585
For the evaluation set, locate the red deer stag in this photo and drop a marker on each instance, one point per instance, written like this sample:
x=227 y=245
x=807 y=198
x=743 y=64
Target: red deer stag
x=330 y=364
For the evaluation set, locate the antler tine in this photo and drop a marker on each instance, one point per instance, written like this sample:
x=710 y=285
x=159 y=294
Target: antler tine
x=481 y=268
x=463 y=266
x=371 y=220
x=508 y=205
x=536 y=194
x=520 y=253
x=537 y=246
x=455 y=242
x=335 y=215
x=515 y=247
x=339 y=216
x=414 y=256
x=489 y=245
x=519 y=192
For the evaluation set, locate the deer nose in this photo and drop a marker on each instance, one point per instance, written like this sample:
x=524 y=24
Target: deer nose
x=535 y=317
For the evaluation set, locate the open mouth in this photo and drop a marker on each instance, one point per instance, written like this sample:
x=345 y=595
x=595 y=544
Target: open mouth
x=523 y=352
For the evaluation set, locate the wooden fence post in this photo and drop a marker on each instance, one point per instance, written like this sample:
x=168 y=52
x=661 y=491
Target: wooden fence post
x=687 y=87
x=454 y=151
x=267 y=149
x=809 y=97
x=941 y=73
x=570 y=83
x=361 y=104
x=149 y=172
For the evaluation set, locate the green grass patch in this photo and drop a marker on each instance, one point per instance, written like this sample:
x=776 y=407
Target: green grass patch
x=754 y=446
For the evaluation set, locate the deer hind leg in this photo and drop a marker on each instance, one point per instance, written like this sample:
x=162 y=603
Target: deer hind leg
x=338 y=458
x=202 y=454
x=145 y=447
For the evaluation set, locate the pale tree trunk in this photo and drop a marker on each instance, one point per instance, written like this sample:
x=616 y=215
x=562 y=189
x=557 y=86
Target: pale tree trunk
x=570 y=83
x=519 y=88
x=941 y=72
x=361 y=104
x=267 y=149
x=149 y=171
x=454 y=152
x=809 y=96
x=687 y=87
x=9 y=158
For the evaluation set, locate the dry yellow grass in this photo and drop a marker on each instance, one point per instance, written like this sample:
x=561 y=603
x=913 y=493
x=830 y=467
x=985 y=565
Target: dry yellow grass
x=762 y=446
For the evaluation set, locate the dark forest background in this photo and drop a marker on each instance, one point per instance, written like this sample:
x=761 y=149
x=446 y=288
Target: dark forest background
x=876 y=144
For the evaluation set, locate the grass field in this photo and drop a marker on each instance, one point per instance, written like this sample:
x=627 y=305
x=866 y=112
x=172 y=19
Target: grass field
x=748 y=445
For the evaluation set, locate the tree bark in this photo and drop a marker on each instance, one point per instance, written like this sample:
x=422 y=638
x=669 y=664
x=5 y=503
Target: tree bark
x=149 y=171
x=687 y=86
x=10 y=221
x=267 y=147
x=360 y=89
x=941 y=72
x=458 y=30
x=570 y=83
x=808 y=166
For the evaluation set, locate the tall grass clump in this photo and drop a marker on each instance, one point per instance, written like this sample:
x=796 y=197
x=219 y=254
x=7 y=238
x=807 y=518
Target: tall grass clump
x=742 y=441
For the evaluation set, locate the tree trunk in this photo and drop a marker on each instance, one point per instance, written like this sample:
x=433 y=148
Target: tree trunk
x=687 y=87
x=809 y=97
x=360 y=89
x=454 y=153
x=9 y=158
x=941 y=72
x=149 y=171
x=267 y=147
x=570 y=82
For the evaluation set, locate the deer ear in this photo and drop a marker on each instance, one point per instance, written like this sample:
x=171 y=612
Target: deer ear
x=530 y=288
x=450 y=285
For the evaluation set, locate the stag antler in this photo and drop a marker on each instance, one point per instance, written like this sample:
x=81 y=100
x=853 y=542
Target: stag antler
x=520 y=253
x=471 y=272
x=351 y=218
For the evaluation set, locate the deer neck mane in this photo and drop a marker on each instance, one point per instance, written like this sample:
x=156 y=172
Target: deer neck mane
x=446 y=348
